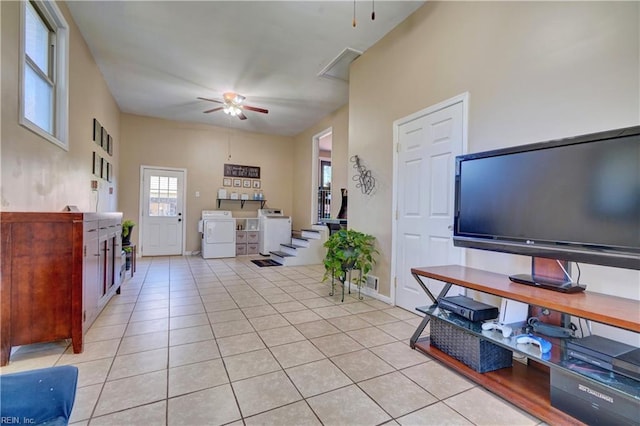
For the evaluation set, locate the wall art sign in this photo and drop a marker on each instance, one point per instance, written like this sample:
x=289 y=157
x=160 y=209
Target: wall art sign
x=235 y=170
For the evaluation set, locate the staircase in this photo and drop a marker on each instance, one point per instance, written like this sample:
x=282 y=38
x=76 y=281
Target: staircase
x=307 y=248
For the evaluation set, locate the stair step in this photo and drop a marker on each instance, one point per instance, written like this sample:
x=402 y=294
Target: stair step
x=281 y=254
x=312 y=234
x=293 y=246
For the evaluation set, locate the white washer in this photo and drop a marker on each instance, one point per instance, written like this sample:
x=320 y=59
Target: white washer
x=274 y=229
x=218 y=228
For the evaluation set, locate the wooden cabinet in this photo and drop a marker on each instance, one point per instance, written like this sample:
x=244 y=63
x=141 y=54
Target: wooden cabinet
x=58 y=272
x=526 y=386
x=102 y=262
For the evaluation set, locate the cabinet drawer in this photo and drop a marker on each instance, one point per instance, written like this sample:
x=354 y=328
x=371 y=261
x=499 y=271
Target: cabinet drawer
x=90 y=227
x=241 y=237
x=252 y=237
x=252 y=248
x=241 y=249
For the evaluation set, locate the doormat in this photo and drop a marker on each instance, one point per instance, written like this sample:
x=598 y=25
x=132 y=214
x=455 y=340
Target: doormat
x=265 y=262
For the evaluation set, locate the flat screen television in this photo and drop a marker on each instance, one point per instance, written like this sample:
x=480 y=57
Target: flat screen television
x=574 y=199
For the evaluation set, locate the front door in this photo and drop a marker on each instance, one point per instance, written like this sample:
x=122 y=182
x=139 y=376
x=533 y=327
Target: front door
x=162 y=211
x=427 y=145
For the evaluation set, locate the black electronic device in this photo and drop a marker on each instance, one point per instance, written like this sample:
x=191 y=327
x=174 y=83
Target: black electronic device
x=557 y=285
x=594 y=396
x=550 y=330
x=468 y=308
x=597 y=350
x=572 y=199
x=628 y=364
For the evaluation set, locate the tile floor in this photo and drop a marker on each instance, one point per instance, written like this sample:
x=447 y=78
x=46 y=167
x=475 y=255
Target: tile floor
x=195 y=342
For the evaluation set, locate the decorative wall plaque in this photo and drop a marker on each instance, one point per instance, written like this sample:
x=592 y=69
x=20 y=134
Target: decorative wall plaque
x=235 y=170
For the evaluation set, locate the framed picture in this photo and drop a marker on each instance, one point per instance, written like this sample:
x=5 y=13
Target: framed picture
x=226 y=182
x=237 y=183
x=103 y=169
x=97 y=132
x=246 y=183
x=97 y=164
x=105 y=138
x=109 y=172
x=109 y=145
x=256 y=184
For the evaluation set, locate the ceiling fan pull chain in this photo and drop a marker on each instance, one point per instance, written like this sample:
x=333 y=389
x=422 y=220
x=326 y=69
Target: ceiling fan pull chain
x=373 y=10
x=354 y=14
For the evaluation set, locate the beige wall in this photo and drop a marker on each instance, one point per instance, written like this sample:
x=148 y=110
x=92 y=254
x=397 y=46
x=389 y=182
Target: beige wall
x=338 y=121
x=203 y=150
x=534 y=71
x=40 y=176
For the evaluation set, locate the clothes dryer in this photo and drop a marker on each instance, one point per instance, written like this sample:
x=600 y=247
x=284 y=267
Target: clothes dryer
x=218 y=228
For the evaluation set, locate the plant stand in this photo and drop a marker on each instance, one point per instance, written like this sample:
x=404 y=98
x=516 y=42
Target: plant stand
x=347 y=279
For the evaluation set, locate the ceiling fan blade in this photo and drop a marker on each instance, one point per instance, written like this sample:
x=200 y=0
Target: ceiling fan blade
x=212 y=110
x=211 y=100
x=256 y=109
x=241 y=116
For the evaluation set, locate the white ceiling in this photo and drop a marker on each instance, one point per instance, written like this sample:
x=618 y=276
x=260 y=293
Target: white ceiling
x=159 y=56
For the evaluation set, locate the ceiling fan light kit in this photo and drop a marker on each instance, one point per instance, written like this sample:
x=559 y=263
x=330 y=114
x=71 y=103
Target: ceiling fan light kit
x=232 y=110
x=232 y=105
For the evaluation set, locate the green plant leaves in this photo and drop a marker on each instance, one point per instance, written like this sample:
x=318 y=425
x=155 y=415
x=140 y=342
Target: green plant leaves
x=346 y=250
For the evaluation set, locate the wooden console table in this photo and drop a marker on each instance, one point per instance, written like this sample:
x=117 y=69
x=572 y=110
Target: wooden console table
x=526 y=386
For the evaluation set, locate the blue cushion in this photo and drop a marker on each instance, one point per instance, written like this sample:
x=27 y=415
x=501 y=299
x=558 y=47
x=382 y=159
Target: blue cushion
x=42 y=397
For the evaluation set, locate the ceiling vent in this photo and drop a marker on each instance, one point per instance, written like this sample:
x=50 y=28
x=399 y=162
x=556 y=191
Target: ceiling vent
x=338 y=68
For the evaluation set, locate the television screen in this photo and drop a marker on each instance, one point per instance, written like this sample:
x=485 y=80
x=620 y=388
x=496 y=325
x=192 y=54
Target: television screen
x=575 y=199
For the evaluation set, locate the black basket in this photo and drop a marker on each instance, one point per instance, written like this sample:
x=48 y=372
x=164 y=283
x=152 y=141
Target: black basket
x=477 y=353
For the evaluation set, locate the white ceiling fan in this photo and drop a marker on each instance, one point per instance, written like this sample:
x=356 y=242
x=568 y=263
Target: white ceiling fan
x=232 y=105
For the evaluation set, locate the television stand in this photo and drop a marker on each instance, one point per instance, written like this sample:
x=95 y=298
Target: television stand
x=549 y=284
x=526 y=386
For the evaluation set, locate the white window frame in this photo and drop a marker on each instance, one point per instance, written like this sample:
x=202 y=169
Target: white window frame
x=54 y=18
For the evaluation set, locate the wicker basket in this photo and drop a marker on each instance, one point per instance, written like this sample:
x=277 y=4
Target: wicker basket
x=477 y=353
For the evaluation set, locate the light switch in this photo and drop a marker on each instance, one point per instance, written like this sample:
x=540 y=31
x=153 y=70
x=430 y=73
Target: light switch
x=197 y=194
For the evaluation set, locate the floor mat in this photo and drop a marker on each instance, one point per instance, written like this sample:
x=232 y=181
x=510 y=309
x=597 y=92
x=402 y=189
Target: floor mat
x=265 y=262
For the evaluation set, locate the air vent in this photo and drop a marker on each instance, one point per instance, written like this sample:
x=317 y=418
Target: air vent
x=371 y=282
x=338 y=68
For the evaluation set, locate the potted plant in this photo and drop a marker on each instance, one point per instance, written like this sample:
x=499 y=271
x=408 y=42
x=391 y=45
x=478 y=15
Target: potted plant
x=347 y=250
x=127 y=226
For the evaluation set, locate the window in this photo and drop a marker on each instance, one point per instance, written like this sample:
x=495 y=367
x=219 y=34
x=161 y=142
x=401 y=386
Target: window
x=44 y=99
x=325 y=179
x=163 y=196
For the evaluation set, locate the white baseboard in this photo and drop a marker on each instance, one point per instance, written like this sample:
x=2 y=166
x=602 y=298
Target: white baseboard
x=371 y=293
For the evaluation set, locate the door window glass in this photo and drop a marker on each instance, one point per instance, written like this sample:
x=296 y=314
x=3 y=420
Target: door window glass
x=163 y=196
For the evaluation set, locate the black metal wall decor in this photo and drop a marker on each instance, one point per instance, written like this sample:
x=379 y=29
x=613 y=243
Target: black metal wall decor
x=365 y=181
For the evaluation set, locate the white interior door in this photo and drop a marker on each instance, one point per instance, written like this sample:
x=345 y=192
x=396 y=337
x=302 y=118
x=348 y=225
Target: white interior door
x=162 y=212
x=427 y=146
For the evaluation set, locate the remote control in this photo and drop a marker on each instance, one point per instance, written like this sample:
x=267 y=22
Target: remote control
x=544 y=345
x=506 y=330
